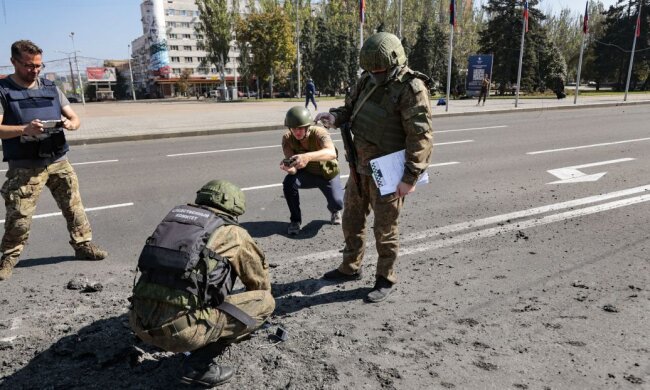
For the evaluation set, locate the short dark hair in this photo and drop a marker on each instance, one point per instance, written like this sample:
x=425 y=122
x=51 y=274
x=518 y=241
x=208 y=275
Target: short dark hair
x=24 y=46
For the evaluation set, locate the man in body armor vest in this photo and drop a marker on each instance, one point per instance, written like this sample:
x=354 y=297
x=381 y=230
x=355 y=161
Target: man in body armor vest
x=388 y=110
x=310 y=162
x=181 y=302
x=34 y=114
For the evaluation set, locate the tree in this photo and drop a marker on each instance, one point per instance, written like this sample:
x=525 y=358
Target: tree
x=612 y=49
x=183 y=84
x=215 y=33
x=270 y=36
x=501 y=37
x=430 y=51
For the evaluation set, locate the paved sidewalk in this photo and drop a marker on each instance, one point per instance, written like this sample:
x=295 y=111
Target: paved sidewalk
x=123 y=121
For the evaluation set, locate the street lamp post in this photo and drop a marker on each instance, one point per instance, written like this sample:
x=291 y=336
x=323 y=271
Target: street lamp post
x=298 y=48
x=131 y=73
x=81 y=85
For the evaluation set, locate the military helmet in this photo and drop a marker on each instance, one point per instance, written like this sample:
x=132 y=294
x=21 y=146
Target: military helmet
x=223 y=195
x=297 y=116
x=381 y=51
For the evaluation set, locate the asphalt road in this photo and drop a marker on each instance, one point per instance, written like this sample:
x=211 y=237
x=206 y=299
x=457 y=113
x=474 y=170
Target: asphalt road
x=499 y=266
x=483 y=166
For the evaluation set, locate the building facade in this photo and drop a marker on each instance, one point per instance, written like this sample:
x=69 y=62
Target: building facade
x=168 y=49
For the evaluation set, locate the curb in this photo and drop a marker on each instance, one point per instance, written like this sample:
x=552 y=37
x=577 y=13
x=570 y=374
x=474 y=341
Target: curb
x=279 y=126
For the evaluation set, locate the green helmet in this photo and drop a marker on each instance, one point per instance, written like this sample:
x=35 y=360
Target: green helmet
x=381 y=51
x=297 y=116
x=222 y=195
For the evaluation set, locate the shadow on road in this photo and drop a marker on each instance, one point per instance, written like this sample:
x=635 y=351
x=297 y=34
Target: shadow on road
x=101 y=355
x=270 y=228
x=295 y=296
x=45 y=261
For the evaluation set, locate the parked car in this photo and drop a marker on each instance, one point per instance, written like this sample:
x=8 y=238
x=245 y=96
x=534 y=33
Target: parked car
x=73 y=98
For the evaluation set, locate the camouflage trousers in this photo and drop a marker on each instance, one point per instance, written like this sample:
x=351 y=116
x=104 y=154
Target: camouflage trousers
x=21 y=192
x=208 y=326
x=357 y=208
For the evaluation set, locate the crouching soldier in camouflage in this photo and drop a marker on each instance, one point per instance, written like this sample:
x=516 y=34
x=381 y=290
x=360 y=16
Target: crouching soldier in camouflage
x=181 y=302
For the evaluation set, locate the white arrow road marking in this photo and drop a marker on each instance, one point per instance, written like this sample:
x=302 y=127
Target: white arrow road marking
x=573 y=175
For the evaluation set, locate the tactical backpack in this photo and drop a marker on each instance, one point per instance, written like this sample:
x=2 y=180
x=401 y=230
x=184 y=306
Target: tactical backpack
x=179 y=269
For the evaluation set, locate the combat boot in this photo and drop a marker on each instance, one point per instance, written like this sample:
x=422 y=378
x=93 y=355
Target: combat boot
x=383 y=288
x=89 y=251
x=209 y=375
x=7 y=266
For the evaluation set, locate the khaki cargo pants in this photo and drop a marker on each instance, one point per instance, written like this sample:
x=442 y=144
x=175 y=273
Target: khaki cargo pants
x=357 y=208
x=21 y=192
x=218 y=326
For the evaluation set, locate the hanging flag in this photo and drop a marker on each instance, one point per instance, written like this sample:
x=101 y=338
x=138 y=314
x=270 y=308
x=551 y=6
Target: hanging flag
x=638 y=24
x=526 y=15
x=362 y=11
x=585 y=22
x=452 y=13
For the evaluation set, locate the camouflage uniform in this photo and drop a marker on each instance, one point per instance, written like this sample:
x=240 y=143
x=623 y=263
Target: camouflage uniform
x=149 y=319
x=21 y=192
x=414 y=109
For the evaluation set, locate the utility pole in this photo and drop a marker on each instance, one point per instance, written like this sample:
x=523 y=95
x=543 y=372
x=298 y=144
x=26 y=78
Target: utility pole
x=74 y=88
x=298 y=46
x=131 y=73
x=400 y=19
x=81 y=85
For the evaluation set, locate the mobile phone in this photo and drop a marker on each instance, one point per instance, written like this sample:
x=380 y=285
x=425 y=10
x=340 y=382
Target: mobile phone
x=52 y=124
x=287 y=162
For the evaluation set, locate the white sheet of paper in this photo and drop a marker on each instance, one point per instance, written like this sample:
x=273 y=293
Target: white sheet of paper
x=387 y=172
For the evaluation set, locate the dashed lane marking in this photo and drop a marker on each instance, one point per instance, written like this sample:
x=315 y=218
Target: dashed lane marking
x=112 y=206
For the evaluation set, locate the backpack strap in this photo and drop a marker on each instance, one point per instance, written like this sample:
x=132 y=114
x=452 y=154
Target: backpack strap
x=238 y=314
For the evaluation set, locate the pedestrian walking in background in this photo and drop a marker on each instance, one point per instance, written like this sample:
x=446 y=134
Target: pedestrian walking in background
x=310 y=94
x=485 y=89
x=34 y=115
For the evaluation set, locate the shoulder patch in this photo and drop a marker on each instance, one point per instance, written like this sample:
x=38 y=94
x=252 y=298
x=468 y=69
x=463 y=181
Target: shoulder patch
x=417 y=85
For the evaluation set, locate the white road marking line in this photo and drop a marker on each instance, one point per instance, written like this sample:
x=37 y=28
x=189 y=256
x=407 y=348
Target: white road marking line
x=524 y=225
x=589 y=146
x=224 y=150
x=112 y=206
x=453 y=142
x=435 y=234
x=80 y=163
x=94 y=162
x=522 y=214
x=443 y=164
x=279 y=146
x=342 y=177
x=469 y=129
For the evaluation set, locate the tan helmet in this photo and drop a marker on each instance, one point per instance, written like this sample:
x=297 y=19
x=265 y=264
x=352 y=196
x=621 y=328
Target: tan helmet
x=381 y=51
x=223 y=195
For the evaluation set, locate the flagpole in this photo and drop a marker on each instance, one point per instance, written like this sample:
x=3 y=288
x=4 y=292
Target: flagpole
x=585 y=29
x=629 y=70
x=521 y=58
x=582 y=48
x=451 y=50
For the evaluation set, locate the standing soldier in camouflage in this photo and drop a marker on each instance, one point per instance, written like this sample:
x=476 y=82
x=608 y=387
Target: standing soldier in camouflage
x=34 y=114
x=182 y=300
x=388 y=110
